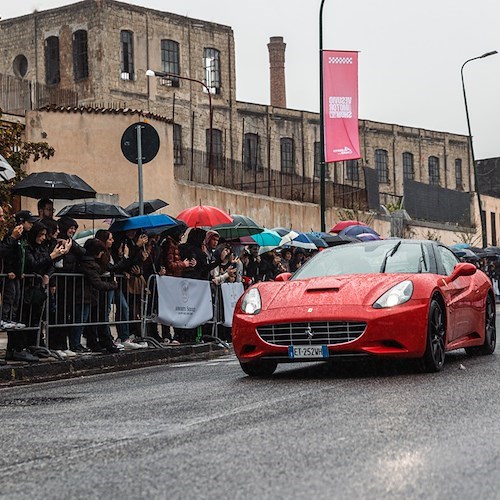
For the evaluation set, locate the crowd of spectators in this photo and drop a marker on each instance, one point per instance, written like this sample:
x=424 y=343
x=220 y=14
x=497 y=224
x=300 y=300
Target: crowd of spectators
x=43 y=250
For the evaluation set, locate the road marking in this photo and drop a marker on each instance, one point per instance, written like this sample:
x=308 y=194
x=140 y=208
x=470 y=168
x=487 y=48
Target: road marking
x=213 y=362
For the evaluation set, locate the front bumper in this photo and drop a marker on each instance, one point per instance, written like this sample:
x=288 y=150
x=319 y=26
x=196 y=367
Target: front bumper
x=398 y=332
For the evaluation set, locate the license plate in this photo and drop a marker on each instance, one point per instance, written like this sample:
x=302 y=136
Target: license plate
x=307 y=351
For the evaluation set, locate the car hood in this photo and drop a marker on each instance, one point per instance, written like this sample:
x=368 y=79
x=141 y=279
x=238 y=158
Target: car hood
x=354 y=289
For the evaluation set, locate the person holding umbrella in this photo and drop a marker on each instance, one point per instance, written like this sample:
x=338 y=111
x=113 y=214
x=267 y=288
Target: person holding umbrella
x=171 y=259
x=45 y=208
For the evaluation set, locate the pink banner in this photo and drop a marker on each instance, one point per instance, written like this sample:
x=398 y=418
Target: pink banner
x=340 y=105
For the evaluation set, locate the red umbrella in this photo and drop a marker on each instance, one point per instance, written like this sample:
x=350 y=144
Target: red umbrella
x=345 y=223
x=204 y=215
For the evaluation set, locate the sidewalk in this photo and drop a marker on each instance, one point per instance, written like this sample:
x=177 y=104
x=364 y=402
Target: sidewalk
x=14 y=373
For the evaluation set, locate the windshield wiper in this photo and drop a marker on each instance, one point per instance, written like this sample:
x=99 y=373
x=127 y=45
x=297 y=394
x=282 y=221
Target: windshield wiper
x=422 y=260
x=390 y=253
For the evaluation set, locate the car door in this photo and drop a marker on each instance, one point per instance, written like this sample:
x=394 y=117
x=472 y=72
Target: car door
x=459 y=294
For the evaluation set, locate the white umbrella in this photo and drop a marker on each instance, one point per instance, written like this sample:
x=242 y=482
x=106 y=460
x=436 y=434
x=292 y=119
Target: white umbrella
x=6 y=171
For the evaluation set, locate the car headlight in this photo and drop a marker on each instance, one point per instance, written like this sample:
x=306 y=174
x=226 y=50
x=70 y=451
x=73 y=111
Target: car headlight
x=398 y=294
x=251 y=303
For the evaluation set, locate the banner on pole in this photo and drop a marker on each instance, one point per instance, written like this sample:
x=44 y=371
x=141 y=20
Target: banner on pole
x=231 y=292
x=340 y=105
x=182 y=302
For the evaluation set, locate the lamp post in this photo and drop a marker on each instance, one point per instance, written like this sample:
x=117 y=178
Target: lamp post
x=482 y=215
x=322 y=166
x=164 y=74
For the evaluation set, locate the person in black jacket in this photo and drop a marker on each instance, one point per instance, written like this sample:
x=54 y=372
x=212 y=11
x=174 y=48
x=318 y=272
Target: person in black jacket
x=14 y=261
x=89 y=299
x=39 y=262
x=12 y=252
x=66 y=285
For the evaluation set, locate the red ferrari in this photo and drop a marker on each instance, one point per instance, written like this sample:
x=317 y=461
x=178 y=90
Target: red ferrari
x=387 y=298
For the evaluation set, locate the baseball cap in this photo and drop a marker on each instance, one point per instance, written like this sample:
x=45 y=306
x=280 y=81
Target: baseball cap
x=25 y=216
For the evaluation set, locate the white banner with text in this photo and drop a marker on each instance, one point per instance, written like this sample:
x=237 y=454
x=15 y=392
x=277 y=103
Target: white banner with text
x=231 y=292
x=183 y=302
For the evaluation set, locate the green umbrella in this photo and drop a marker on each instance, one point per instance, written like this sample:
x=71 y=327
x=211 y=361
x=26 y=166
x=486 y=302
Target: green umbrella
x=240 y=227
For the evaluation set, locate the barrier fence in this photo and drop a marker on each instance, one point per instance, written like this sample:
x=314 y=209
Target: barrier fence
x=68 y=302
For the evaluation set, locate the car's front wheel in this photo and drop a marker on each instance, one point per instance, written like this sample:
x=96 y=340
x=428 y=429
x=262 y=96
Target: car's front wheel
x=433 y=359
x=259 y=368
x=490 y=331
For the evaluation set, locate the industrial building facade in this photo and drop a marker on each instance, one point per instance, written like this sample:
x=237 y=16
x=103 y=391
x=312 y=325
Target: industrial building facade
x=96 y=52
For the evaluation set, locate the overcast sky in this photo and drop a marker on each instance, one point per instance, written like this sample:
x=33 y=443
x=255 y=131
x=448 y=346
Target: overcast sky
x=409 y=63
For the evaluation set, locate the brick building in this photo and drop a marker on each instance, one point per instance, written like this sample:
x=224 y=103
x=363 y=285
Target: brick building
x=96 y=53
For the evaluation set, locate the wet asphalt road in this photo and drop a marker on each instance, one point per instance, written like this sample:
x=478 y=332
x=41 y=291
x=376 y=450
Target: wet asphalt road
x=204 y=430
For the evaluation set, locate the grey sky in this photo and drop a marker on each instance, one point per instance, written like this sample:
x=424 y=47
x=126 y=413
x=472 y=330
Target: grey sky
x=409 y=64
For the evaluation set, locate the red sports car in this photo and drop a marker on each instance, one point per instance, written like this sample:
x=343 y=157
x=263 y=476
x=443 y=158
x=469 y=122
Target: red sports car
x=387 y=298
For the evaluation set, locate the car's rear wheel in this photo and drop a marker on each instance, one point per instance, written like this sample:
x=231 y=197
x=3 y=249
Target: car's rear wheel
x=490 y=331
x=433 y=359
x=259 y=368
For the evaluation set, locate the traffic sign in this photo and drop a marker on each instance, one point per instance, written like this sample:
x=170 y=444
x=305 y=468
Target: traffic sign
x=150 y=142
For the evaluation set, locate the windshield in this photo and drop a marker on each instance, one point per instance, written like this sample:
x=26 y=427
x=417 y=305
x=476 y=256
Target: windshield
x=368 y=258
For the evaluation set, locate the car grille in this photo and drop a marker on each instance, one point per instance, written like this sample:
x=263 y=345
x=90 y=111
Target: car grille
x=323 y=332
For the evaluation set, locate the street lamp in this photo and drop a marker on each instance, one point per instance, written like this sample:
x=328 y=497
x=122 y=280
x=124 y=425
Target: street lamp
x=164 y=74
x=322 y=166
x=482 y=215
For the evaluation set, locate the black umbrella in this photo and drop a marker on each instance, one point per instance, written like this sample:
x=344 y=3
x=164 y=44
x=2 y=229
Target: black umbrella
x=150 y=206
x=94 y=210
x=54 y=185
x=333 y=240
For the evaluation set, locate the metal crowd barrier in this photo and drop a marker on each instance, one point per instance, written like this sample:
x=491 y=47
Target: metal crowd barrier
x=46 y=308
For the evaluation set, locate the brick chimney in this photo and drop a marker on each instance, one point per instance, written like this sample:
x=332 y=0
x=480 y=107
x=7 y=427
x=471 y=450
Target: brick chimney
x=276 y=48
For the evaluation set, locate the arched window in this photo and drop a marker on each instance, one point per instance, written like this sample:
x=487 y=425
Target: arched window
x=458 y=173
x=52 y=61
x=177 y=144
x=408 y=170
x=287 y=155
x=80 y=55
x=211 y=69
x=216 y=148
x=382 y=165
x=317 y=159
x=434 y=170
x=127 y=55
x=251 y=153
x=352 y=170
x=170 y=60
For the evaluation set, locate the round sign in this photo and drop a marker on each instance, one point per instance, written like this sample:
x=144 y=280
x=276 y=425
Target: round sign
x=150 y=142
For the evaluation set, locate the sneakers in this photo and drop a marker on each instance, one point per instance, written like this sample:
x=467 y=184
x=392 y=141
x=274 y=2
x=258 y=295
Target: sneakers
x=24 y=355
x=11 y=325
x=118 y=345
x=61 y=354
x=80 y=349
x=70 y=354
x=112 y=349
x=128 y=344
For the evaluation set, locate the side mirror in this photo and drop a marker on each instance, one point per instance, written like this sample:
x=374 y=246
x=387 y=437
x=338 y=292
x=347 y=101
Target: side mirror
x=462 y=269
x=283 y=277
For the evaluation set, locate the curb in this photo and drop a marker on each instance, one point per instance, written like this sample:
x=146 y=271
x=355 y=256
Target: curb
x=45 y=371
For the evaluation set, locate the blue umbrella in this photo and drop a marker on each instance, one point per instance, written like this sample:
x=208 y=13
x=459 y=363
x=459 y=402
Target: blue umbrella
x=355 y=230
x=317 y=240
x=143 y=222
x=460 y=246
